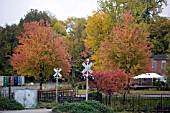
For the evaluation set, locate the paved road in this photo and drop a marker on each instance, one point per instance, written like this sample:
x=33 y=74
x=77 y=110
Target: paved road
x=29 y=111
x=156 y=96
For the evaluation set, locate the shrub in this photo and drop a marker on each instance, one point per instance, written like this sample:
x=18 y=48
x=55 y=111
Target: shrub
x=95 y=96
x=10 y=104
x=84 y=86
x=101 y=107
x=83 y=107
x=80 y=86
x=167 y=87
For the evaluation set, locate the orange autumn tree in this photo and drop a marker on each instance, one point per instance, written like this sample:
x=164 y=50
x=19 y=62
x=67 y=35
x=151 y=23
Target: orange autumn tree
x=127 y=49
x=40 y=51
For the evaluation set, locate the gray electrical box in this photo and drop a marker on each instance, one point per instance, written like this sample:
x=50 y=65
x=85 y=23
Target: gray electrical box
x=28 y=98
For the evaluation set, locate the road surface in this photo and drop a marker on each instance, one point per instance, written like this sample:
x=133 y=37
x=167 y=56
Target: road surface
x=29 y=111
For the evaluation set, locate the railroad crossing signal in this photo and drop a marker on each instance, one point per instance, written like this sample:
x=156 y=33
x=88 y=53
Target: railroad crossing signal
x=88 y=73
x=57 y=74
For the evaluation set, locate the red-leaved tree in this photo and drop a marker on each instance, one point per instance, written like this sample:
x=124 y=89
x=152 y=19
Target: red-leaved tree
x=110 y=81
x=40 y=51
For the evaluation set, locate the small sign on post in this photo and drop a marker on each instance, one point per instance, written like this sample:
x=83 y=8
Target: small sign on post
x=57 y=75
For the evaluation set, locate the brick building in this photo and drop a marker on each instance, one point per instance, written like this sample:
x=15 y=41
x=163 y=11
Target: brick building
x=158 y=64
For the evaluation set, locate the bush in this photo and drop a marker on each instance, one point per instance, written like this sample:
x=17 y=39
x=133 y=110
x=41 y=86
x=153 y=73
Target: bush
x=100 y=107
x=95 y=96
x=83 y=107
x=80 y=86
x=167 y=87
x=84 y=86
x=10 y=104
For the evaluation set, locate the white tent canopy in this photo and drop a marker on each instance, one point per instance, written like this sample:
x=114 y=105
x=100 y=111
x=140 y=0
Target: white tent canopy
x=148 y=75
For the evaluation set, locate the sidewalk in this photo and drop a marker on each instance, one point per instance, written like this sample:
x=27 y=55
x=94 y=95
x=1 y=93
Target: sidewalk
x=29 y=111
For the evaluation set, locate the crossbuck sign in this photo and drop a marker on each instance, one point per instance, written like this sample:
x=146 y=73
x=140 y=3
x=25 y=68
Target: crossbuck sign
x=57 y=74
x=87 y=68
x=87 y=71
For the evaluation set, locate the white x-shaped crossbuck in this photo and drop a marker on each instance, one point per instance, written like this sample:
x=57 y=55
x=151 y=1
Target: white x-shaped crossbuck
x=87 y=68
x=57 y=74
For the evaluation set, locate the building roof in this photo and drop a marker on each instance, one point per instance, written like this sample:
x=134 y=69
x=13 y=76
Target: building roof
x=159 y=57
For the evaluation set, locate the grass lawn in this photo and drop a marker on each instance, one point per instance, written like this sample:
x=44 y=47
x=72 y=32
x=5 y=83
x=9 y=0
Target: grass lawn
x=149 y=92
x=81 y=92
x=135 y=92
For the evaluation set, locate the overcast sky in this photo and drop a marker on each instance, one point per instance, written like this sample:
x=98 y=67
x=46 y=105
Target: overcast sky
x=11 y=11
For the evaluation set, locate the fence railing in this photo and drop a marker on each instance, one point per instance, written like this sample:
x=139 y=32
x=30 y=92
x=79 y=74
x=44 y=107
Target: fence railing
x=143 y=103
x=63 y=96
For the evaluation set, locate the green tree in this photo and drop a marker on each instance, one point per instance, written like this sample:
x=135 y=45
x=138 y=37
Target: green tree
x=159 y=29
x=75 y=38
x=58 y=26
x=141 y=10
x=35 y=15
x=8 y=41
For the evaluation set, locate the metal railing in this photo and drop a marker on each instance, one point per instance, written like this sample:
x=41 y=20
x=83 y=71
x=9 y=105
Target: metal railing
x=139 y=103
x=63 y=96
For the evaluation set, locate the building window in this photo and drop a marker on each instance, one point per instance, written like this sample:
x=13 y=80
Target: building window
x=154 y=65
x=163 y=64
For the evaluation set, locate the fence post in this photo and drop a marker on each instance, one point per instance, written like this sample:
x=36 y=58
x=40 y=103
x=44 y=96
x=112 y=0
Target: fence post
x=161 y=103
x=109 y=100
x=138 y=101
x=124 y=99
x=106 y=100
x=133 y=103
x=145 y=108
x=157 y=109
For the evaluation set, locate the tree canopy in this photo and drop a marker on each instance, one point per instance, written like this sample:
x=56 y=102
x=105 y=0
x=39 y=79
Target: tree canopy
x=141 y=10
x=127 y=49
x=98 y=28
x=40 y=51
x=159 y=29
x=8 y=41
x=35 y=16
x=75 y=39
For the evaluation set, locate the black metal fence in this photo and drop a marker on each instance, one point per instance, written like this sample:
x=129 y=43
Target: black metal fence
x=63 y=96
x=139 y=103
